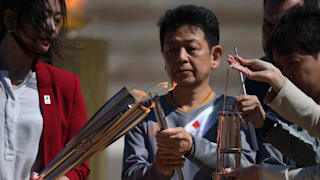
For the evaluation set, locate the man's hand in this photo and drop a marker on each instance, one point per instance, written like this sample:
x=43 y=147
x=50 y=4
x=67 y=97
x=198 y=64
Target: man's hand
x=258 y=70
x=167 y=163
x=174 y=140
x=172 y=144
x=251 y=109
x=251 y=173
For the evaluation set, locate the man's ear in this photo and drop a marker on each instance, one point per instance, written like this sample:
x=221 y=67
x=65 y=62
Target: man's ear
x=216 y=54
x=9 y=19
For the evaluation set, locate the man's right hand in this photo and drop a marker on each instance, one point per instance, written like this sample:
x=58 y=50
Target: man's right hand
x=167 y=163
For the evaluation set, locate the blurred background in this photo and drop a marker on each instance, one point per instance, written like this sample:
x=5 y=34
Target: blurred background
x=119 y=46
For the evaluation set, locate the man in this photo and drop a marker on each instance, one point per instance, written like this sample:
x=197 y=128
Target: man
x=189 y=38
x=296 y=49
x=273 y=10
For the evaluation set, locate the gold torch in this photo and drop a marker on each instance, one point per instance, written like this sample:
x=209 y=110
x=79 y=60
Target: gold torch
x=114 y=119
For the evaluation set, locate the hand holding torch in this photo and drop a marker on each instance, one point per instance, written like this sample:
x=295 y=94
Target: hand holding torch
x=158 y=112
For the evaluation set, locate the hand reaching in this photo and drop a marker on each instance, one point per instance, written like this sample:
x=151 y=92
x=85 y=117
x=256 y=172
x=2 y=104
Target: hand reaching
x=258 y=70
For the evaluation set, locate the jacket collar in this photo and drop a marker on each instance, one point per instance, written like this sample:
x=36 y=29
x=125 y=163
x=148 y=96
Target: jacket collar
x=43 y=75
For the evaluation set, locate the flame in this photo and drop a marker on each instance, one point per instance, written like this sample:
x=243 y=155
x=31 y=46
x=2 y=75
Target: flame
x=147 y=109
x=164 y=84
x=174 y=84
x=139 y=94
x=75 y=5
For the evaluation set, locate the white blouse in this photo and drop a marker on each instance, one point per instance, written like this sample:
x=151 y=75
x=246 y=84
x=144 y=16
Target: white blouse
x=21 y=125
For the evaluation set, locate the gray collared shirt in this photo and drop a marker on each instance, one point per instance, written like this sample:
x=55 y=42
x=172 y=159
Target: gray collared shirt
x=21 y=125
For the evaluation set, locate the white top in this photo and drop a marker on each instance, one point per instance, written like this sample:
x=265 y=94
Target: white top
x=21 y=125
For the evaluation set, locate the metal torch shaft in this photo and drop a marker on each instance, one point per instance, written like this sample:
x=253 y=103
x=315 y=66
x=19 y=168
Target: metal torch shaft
x=251 y=128
x=163 y=123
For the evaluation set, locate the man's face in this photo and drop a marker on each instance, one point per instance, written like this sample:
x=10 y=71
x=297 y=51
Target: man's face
x=188 y=58
x=303 y=70
x=272 y=13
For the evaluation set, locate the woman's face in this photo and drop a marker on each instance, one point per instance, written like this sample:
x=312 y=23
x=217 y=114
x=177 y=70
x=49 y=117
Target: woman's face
x=38 y=40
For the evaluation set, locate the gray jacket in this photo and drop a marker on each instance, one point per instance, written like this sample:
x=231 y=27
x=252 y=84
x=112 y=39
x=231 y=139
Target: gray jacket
x=140 y=145
x=292 y=104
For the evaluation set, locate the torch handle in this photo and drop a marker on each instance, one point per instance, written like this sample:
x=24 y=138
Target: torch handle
x=163 y=123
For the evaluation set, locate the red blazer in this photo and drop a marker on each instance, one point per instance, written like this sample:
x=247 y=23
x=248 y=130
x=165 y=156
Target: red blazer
x=63 y=116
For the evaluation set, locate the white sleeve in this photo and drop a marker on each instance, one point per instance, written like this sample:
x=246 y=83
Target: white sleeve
x=295 y=106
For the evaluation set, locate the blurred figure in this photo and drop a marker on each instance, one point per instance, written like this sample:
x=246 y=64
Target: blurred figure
x=41 y=106
x=295 y=45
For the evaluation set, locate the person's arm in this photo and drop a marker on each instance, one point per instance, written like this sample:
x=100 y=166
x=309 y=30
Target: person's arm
x=294 y=105
x=295 y=143
x=138 y=160
x=267 y=172
x=77 y=119
x=285 y=98
x=278 y=172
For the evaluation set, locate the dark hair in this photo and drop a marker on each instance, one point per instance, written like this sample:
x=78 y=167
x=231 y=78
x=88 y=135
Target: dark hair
x=299 y=29
x=307 y=3
x=190 y=15
x=33 y=12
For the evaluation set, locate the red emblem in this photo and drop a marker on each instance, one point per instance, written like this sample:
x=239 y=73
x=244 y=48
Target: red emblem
x=196 y=124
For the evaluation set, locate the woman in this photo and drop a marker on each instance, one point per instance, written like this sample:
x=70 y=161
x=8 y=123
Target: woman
x=41 y=106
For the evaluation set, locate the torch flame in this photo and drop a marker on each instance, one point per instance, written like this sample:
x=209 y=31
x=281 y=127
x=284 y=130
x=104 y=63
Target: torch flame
x=147 y=109
x=165 y=85
x=75 y=5
x=139 y=94
x=174 y=84
x=142 y=95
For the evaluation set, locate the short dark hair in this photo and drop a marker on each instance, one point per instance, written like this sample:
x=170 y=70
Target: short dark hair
x=298 y=28
x=190 y=15
x=307 y=3
x=33 y=12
